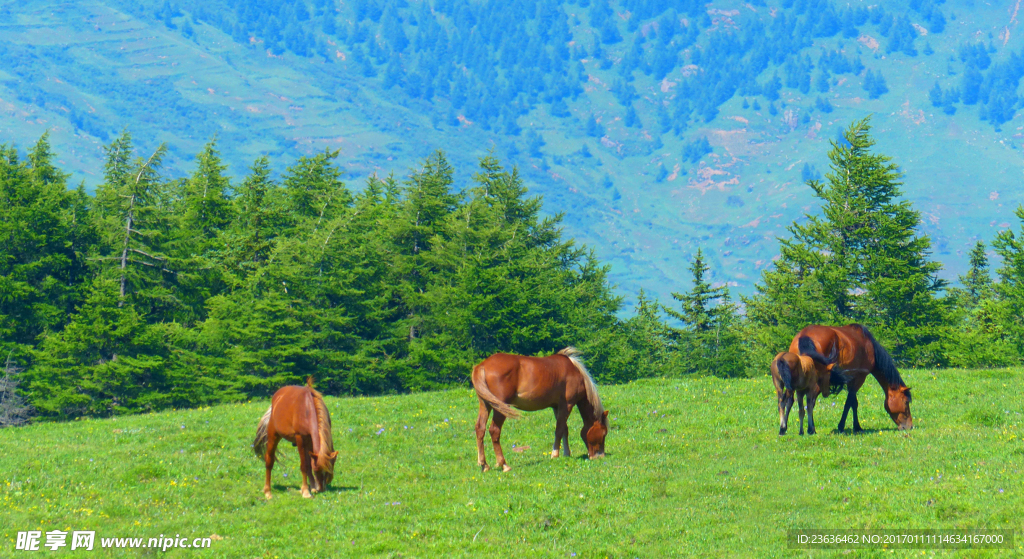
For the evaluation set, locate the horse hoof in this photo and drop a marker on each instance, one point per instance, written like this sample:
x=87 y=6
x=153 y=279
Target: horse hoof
x=782 y=432
x=306 y=495
x=554 y=454
x=484 y=468
x=267 y=495
x=506 y=468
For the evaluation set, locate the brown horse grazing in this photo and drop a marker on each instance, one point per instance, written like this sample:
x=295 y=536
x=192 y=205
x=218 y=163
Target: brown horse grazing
x=559 y=382
x=858 y=354
x=791 y=374
x=298 y=414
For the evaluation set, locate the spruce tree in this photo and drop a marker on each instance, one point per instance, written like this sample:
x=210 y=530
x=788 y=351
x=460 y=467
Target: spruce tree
x=979 y=335
x=207 y=205
x=860 y=260
x=44 y=237
x=645 y=351
x=259 y=219
x=708 y=342
x=1010 y=289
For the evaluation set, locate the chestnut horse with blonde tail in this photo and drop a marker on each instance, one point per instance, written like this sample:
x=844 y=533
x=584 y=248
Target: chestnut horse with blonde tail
x=855 y=354
x=298 y=414
x=558 y=382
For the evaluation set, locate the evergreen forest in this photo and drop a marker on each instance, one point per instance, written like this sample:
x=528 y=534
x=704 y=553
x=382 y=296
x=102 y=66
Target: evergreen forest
x=157 y=292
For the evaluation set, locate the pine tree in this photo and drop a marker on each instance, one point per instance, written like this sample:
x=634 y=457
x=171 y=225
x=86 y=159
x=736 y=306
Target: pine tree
x=645 y=351
x=1010 y=288
x=314 y=188
x=44 y=235
x=979 y=336
x=708 y=342
x=977 y=282
x=861 y=260
x=207 y=205
x=250 y=239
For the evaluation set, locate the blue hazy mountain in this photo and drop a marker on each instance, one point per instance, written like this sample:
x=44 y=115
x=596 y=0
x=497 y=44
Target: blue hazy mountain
x=657 y=127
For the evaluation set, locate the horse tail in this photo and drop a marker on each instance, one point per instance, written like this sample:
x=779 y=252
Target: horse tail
x=593 y=397
x=806 y=346
x=485 y=394
x=259 y=445
x=784 y=373
x=836 y=381
x=323 y=423
x=883 y=361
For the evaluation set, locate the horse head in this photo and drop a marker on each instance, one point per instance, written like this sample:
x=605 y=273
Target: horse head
x=594 y=434
x=897 y=403
x=323 y=470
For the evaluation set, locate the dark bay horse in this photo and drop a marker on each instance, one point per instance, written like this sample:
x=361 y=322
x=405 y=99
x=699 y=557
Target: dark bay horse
x=797 y=374
x=854 y=354
x=298 y=414
x=559 y=382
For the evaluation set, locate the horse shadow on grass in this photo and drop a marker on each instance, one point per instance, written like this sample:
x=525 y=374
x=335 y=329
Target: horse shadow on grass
x=330 y=488
x=850 y=432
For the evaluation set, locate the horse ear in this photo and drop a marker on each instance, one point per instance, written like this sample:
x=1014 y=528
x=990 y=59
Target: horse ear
x=309 y=381
x=604 y=418
x=333 y=455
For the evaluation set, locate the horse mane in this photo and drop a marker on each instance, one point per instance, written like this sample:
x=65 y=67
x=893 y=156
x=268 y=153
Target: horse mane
x=323 y=422
x=593 y=397
x=884 y=362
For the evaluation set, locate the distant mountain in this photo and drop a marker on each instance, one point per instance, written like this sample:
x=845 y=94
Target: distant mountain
x=656 y=126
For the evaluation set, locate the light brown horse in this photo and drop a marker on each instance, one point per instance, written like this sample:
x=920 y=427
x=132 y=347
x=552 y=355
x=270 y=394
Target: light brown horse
x=797 y=374
x=298 y=414
x=559 y=382
x=857 y=354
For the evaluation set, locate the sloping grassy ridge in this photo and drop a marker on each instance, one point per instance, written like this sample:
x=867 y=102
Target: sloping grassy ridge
x=694 y=467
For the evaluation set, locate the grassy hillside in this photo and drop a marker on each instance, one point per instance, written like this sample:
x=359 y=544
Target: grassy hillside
x=185 y=71
x=694 y=467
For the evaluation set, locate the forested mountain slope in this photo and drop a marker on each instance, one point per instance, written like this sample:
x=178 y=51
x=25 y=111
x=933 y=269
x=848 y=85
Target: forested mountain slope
x=657 y=127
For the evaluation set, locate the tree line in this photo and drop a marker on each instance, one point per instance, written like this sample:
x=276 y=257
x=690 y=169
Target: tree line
x=155 y=292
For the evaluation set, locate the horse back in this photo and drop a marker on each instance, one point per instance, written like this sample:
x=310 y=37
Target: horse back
x=801 y=370
x=293 y=412
x=855 y=351
x=528 y=382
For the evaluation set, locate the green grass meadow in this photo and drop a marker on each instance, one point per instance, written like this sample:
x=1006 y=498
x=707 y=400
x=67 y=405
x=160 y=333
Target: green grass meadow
x=695 y=467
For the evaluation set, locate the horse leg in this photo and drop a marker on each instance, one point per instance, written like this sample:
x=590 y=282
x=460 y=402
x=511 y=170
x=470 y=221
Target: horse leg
x=561 y=430
x=856 y=420
x=565 y=432
x=851 y=400
x=558 y=434
x=304 y=465
x=785 y=405
x=499 y=456
x=481 y=428
x=800 y=403
x=272 y=441
x=812 y=396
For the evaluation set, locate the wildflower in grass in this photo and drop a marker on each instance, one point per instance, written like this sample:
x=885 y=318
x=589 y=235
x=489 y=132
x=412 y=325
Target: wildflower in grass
x=381 y=431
